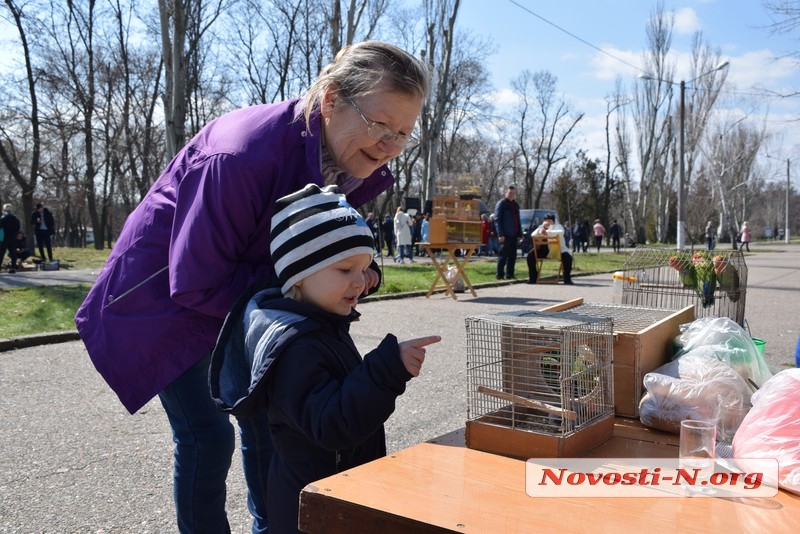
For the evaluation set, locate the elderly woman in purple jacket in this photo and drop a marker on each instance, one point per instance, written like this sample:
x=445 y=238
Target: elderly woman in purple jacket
x=201 y=236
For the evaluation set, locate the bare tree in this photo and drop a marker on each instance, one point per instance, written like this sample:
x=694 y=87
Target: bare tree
x=181 y=19
x=20 y=139
x=440 y=20
x=545 y=122
x=654 y=121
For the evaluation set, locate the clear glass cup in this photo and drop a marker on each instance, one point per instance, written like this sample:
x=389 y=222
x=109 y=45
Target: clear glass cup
x=696 y=457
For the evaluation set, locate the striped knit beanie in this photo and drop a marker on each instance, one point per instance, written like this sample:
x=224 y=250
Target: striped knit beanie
x=312 y=229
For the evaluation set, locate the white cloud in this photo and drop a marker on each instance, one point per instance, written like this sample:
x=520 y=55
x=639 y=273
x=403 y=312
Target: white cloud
x=686 y=21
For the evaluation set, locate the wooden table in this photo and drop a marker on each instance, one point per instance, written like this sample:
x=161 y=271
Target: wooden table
x=442 y=486
x=442 y=266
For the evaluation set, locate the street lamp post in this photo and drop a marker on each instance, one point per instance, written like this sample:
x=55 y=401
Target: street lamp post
x=681 y=227
x=788 y=186
x=680 y=241
x=788 y=189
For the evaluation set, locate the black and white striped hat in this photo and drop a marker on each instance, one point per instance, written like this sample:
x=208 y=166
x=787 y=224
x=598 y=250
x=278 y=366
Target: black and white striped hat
x=312 y=229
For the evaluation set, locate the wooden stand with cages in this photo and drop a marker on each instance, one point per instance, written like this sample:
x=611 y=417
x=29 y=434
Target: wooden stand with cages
x=443 y=266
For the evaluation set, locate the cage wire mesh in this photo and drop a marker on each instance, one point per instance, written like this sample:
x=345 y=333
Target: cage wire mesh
x=543 y=372
x=715 y=282
x=625 y=318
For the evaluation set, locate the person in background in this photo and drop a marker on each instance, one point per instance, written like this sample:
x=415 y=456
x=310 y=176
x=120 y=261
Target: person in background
x=402 y=235
x=21 y=248
x=9 y=228
x=425 y=230
x=616 y=234
x=387 y=229
x=493 y=244
x=567 y=233
x=372 y=224
x=549 y=228
x=710 y=234
x=599 y=232
x=416 y=233
x=584 y=234
x=486 y=229
x=745 y=235
x=576 y=236
x=509 y=233
x=44 y=226
x=201 y=236
x=287 y=352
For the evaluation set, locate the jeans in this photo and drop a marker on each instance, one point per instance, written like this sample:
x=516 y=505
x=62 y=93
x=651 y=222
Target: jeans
x=507 y=258
x=405 y=251
x=204 y=442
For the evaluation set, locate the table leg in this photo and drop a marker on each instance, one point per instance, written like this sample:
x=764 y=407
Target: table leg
x=439 y=274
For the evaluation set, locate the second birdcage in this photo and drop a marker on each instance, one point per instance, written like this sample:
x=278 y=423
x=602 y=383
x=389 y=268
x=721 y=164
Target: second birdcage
x=539 y=384
x=715 y=282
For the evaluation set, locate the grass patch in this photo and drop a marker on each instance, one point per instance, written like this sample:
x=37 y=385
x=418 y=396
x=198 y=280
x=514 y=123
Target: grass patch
x=80 y=258
x=36 y=310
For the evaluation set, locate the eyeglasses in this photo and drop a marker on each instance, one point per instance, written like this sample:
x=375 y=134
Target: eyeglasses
x=379 y=132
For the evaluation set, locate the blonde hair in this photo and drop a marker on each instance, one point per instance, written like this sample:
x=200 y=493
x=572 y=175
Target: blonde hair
x=361 y=68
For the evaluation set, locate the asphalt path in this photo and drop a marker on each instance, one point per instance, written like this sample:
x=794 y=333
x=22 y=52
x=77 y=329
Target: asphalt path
x=73 y=460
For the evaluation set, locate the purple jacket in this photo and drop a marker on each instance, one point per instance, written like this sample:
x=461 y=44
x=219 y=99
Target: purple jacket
x=195 y=242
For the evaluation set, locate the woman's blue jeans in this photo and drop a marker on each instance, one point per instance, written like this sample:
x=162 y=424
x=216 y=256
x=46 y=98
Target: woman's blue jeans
x=204 y=443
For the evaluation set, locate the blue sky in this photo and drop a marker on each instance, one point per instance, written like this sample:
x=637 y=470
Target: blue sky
x=586 y=76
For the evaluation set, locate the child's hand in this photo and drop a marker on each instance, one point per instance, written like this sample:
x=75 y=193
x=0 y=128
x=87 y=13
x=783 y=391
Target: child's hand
x=412 y=352
x=371 y=279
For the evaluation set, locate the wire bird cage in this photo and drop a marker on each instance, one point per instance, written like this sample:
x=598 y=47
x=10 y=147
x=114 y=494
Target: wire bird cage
x=715 y=282
x=540 y=373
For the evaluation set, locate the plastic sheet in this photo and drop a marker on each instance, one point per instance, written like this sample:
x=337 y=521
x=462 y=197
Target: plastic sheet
x=772 y=428
x=691 y=387
x=723 y=339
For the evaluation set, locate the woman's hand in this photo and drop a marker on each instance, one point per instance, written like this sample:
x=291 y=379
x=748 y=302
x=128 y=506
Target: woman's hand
x=412 y=353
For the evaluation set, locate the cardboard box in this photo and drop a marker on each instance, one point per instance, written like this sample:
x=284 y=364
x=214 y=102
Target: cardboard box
x=642 y=342
x=483 y=435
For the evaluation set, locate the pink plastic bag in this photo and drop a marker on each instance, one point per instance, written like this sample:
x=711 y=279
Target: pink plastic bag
x=772 y=428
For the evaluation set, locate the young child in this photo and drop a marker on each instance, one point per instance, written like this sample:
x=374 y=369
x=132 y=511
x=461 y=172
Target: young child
x=288 y=353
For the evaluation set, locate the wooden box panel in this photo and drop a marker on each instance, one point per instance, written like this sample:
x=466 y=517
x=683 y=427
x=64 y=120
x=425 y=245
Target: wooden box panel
x=636 y=352
x=454 y=208
x=483 y=435
x=449 y=231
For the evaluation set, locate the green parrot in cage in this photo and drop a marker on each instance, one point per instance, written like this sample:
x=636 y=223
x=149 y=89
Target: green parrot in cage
x=706 y=278
x=686 y=274
x=585 y=367
x=727 y=277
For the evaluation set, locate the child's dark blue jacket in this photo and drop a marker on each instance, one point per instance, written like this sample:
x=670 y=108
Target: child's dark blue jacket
x=326 y=406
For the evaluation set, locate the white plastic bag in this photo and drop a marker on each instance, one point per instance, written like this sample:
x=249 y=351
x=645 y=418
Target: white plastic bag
x=691 y=387
x=454 y=279
x=772 y=428
x=723 y=339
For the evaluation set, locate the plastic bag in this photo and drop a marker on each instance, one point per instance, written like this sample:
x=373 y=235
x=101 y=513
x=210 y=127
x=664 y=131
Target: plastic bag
x=724 y=339
x=691 y=387
x=772 y=428
x=454 y=279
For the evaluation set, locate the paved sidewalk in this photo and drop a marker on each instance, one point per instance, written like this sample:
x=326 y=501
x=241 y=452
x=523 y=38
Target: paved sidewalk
x=73 y=460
